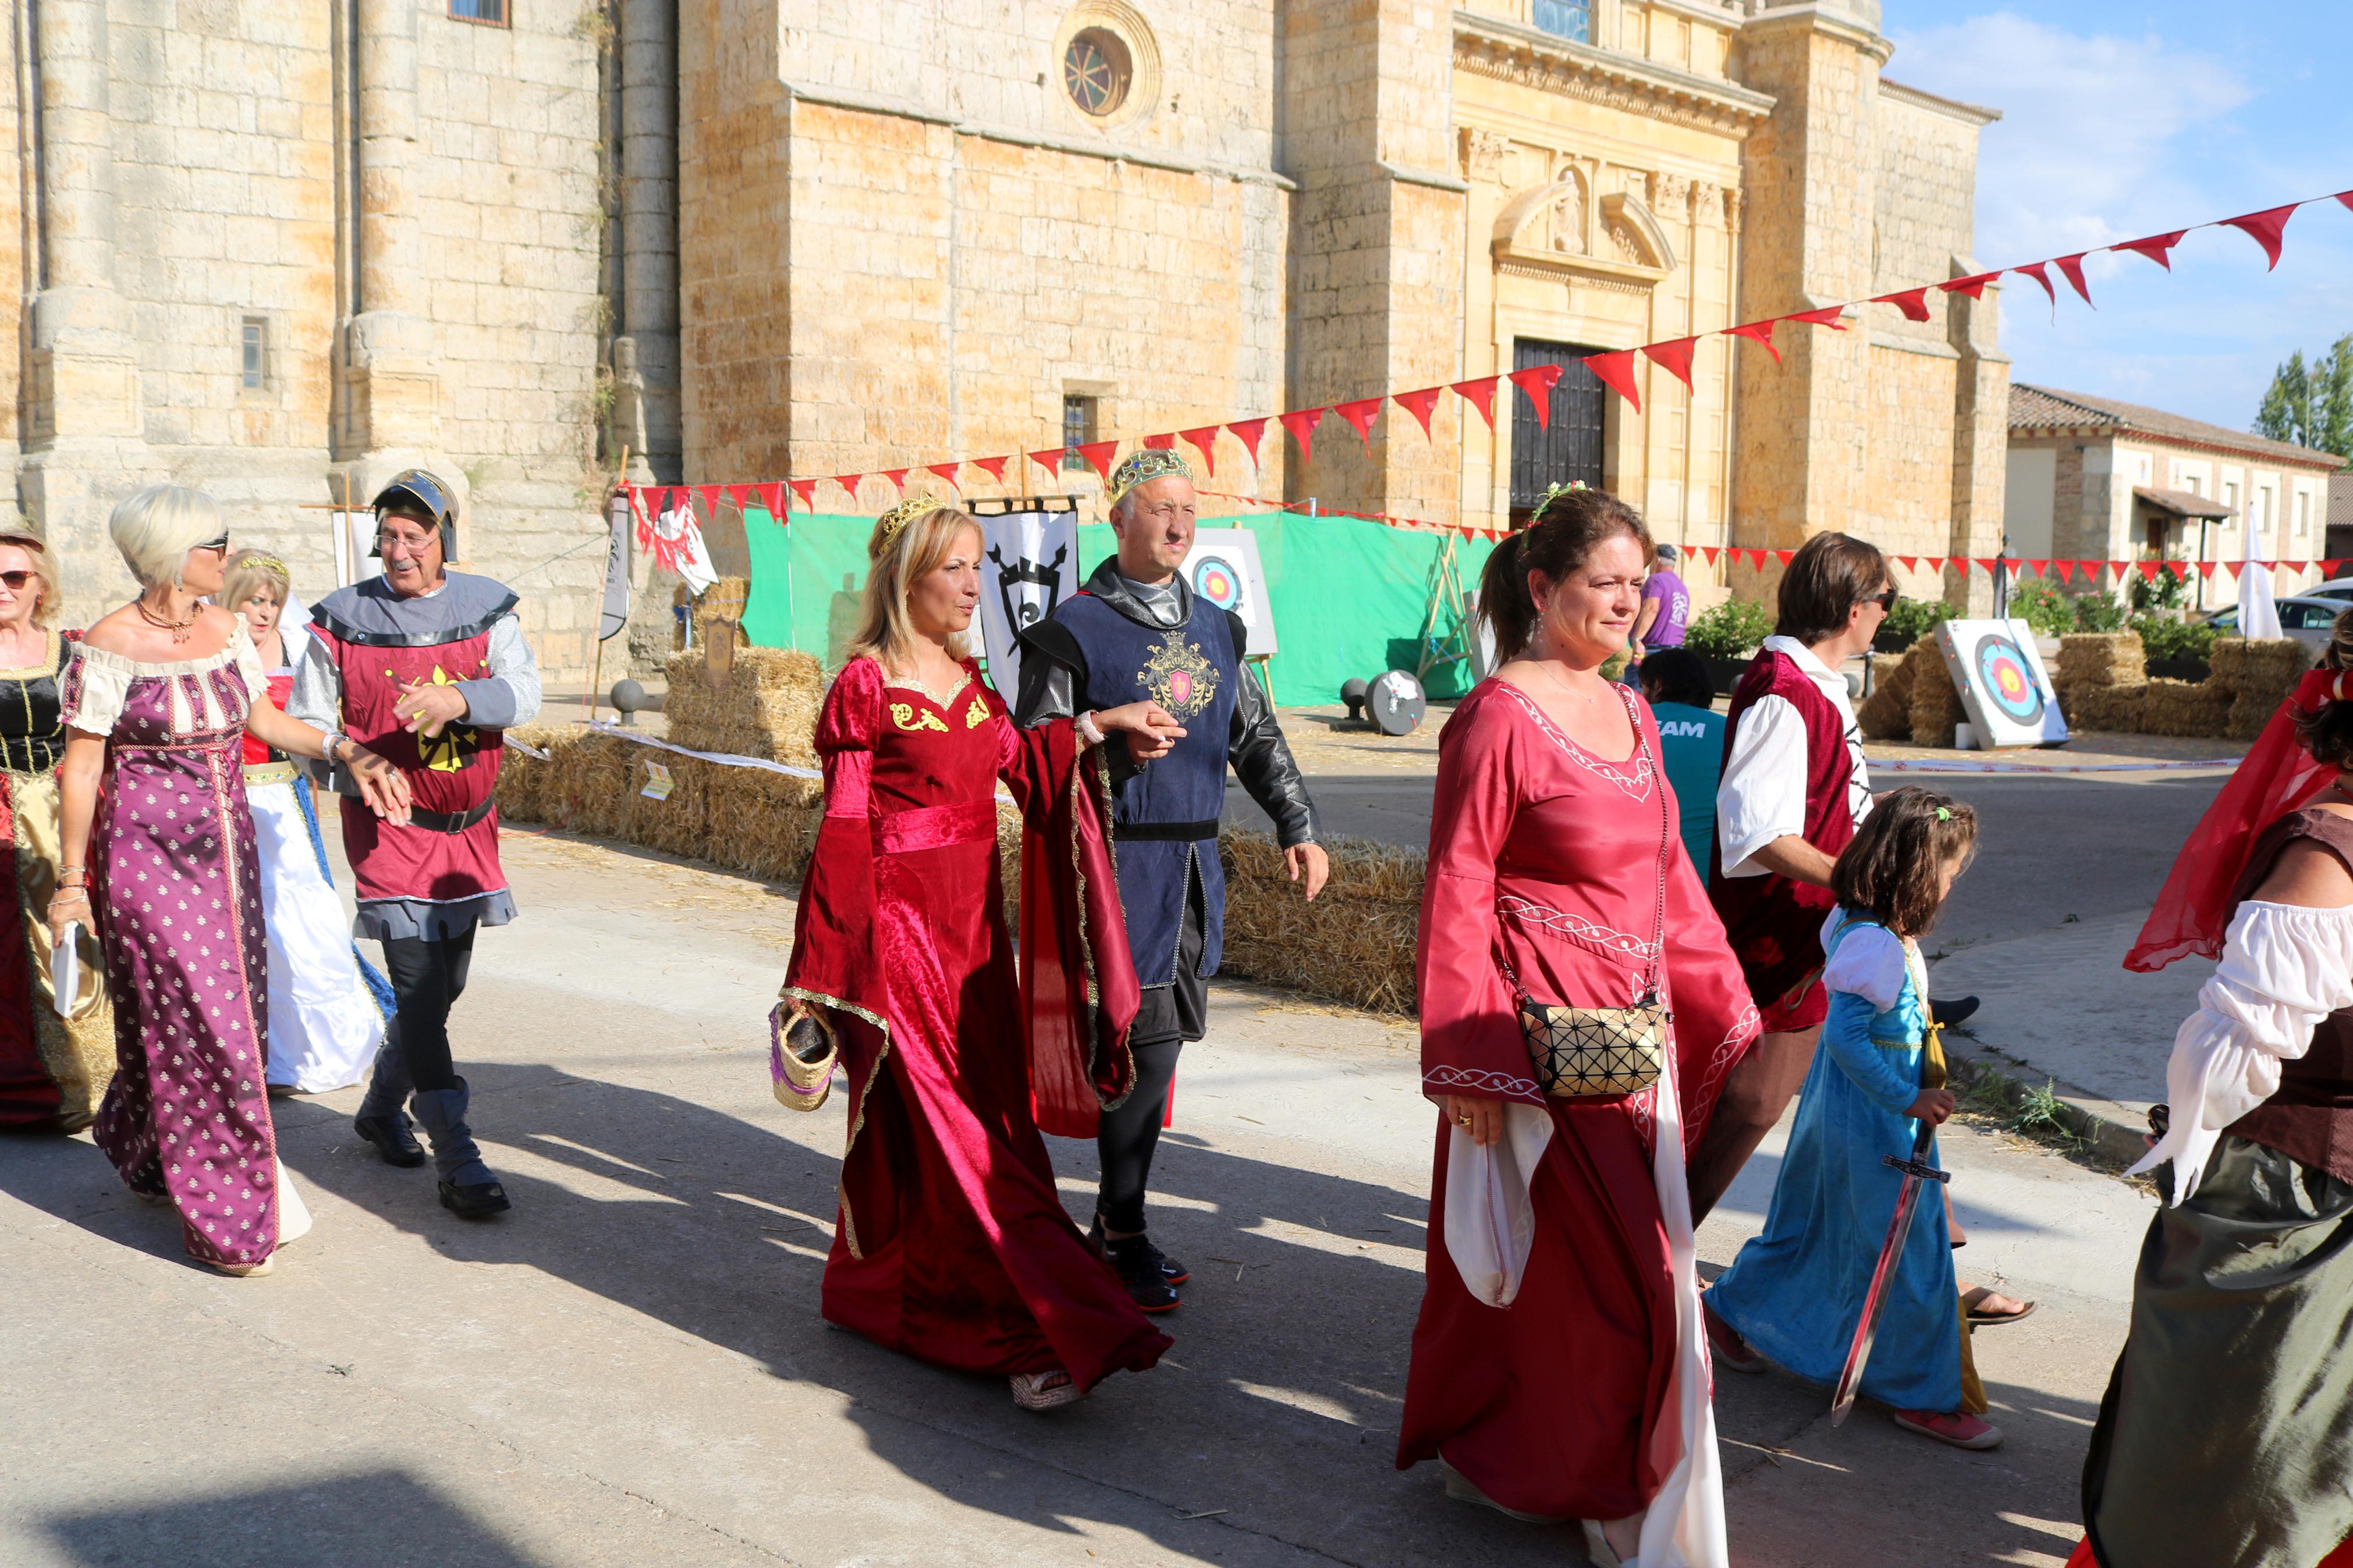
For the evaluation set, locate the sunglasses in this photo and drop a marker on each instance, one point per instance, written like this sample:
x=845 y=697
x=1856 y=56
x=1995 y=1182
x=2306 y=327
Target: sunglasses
x=16 y=581
x=219 y=546
x=1886 y=599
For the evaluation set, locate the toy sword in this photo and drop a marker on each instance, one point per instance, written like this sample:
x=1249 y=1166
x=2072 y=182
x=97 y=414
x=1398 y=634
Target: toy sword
x=1916 y=1172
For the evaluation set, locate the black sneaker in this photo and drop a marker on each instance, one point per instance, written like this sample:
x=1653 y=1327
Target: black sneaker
x=1137 y=1263
x=1170 y=1270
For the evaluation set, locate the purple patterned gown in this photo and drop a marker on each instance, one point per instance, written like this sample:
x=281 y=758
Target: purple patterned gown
x=178 y=899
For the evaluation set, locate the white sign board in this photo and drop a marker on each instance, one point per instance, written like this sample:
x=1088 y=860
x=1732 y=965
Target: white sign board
x=2003 y=686
x=1223 y=571
x=1028 y=565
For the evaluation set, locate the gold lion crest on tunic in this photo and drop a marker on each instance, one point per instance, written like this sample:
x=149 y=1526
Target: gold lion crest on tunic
x=1179 y=677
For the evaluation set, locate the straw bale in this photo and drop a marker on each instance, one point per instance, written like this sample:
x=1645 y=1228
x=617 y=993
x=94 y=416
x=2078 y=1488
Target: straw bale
x=1354 y=944
x=1936 y=704
x=1887 y=713
x=2184 y=707
x=2263 y=668
x=2102 y=658
x=765 y=705
x=2111 y=707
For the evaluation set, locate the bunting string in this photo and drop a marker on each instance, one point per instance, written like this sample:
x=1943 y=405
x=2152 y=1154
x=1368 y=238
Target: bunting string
x=1617 y=369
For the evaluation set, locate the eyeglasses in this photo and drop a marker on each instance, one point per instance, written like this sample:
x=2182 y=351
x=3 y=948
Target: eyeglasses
x=16 y=581
x=384 y=541
x=1886 y=599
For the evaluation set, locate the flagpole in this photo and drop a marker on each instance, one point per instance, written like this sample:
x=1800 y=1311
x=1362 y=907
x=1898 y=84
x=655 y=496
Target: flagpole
x=596 y=666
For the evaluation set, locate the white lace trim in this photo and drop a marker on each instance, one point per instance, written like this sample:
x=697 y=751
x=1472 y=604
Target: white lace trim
x=1575 y=928
x=1637 y=785
x=1478 y=1079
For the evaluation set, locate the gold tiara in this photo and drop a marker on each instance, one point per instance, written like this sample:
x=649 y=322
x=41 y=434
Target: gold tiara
x=888 y=526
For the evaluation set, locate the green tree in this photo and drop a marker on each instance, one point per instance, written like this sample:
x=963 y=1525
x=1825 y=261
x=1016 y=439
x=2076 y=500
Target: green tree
x=2312 y=405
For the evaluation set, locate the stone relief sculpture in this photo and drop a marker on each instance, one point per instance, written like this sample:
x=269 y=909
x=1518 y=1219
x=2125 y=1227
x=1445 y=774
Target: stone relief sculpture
x=1565 y=218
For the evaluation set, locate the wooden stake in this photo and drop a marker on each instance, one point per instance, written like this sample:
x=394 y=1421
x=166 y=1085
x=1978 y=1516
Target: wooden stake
x=596 y=666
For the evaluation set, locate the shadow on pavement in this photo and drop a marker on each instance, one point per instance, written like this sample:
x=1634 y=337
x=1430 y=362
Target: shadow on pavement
x=370 y=1520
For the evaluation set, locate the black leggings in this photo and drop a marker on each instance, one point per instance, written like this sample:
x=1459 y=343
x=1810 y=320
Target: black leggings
x=426 y=975
x=1125 y=1138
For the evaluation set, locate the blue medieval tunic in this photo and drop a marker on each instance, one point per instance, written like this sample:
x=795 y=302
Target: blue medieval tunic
x=1796 y=1292
x=1104 y=647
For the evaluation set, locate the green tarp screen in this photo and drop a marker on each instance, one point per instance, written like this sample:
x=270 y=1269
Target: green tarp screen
x=1351 y=598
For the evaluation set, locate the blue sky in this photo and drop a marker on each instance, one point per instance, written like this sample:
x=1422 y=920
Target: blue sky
x=2123 y=119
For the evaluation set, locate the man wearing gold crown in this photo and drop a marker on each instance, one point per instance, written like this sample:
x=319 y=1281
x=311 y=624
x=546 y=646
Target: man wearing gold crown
x=1137 y=631
x=426 y=668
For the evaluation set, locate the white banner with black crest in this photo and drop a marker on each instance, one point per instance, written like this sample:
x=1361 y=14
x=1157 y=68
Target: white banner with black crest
x=1028 y=565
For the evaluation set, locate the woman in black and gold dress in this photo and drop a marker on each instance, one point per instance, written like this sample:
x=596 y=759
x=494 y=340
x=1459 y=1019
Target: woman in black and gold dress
x=53 y=1069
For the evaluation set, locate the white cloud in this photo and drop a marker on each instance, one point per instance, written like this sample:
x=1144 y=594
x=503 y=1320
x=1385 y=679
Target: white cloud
x=2085 y=153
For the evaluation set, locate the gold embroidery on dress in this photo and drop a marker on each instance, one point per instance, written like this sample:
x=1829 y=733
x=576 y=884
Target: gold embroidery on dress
x=976 y=715
x=446 y=753
x=903 y=715
x=1179 y=675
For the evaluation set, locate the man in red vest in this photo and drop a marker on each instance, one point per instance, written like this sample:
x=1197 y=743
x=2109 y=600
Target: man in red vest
x=426 y=668
x=1795 y=787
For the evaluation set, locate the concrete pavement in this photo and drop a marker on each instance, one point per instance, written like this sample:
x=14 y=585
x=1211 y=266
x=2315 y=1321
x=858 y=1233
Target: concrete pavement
x=630 y=1368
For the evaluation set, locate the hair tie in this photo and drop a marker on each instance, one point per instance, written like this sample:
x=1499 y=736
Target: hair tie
x=1943 y=814
x=2337 y=686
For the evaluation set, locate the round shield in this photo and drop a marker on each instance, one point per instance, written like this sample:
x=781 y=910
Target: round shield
x=1217 y=580
x=1397 y=704
x=2007 y=678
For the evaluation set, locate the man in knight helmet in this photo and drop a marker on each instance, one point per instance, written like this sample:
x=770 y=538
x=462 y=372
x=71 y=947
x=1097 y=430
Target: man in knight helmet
x=1136 y=630
x=425 y=667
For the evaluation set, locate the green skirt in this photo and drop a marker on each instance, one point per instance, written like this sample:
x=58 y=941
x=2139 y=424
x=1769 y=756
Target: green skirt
x=2226 y=1437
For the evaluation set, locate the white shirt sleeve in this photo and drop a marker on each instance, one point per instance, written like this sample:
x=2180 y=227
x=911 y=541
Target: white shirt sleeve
x=1762 y=795
x=94 y=700
x=2284 y=969
x=1870 y=962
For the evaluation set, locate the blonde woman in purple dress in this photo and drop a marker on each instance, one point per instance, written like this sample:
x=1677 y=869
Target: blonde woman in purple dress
x=157 y=701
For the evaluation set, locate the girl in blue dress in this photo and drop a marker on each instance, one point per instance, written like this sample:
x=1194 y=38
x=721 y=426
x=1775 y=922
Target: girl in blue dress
x=1796 y=1292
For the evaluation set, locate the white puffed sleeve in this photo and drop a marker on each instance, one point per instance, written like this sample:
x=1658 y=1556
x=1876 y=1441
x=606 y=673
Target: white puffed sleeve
x=248 y=665
x=2284 y=969
x=1869 y=961
x=97 y=684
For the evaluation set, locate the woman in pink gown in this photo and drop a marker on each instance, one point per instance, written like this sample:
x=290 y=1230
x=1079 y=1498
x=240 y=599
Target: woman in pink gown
x=1558 y=1366
x=952 y=1245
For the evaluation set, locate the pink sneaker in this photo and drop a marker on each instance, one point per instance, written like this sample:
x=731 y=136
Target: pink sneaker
x=1957 y=1428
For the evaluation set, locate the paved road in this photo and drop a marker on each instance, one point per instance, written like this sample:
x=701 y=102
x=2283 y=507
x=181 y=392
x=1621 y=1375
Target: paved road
x=630 y=1368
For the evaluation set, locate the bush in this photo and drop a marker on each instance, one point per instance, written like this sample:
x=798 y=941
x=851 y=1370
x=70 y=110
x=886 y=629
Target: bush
x=2038 y=602
x=1913 y=619
x=1731 y=629
x=2098 y=612
x=2168 y=638
x=2165 y=591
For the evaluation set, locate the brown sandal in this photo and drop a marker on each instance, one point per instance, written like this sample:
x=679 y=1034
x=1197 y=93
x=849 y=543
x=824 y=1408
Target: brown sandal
x=1973 y=1299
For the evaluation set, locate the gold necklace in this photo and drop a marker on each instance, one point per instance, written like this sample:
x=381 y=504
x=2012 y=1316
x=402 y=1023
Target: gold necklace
x=179 y=629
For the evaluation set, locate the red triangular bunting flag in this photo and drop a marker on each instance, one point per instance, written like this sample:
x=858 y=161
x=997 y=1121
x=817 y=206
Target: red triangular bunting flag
x=850 y=482
x=1909 y=563
x=807 y=490
x=1936 y=562
x=947 y=471
x=1982 y=564
x=1973 y=284
x=898 y=477
x=2347 y=198
x=1205 y=441
x=1161 y=443
x=1756 y=332
x=2266 y=229
x=1250 y=433
x=772 y=499
x=1676 y=355
x=2072 y=266
x=1537 y=381
x=1617 y=373
x=1831 y=316
x=1361 y=413
x=993 y=466
x=2154 y=247
x=1705 y=552
x=710 y=497
x=1051 y=459
x=740 y=494
x=1912 y=303
x=1419 y=402
x=1481 y=396
x=2066 y=570
x=1302 y=423
x=2206 y=570
x=2274 y=565
x=2147 y=569
x=2040 y=568
x=1783 y=556
x=1099 y=454
x=2040 y=272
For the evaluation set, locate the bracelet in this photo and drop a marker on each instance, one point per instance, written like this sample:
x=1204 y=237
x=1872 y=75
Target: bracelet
x=328 y=741
x=1089 y=731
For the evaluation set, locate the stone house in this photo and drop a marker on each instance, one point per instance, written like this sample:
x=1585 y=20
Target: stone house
x=2094 y=478
x=282 y=250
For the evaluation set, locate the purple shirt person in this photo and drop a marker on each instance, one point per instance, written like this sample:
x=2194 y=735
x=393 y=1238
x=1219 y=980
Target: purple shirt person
x=1666 y=606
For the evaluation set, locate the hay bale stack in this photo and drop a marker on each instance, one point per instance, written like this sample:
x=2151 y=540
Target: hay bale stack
x=2259 y=674
x=1887 y=713
x=1936 y=703
x=2184 y=707
x=1354 y=944
x=764 y=706
x=2112 y=708
x=2101 y=658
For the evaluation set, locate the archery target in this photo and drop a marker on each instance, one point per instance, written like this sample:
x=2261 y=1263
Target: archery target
x=2010 y=684
x=1216 y=579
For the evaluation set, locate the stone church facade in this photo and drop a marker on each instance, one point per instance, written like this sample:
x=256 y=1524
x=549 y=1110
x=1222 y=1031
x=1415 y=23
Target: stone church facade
x=281 y=251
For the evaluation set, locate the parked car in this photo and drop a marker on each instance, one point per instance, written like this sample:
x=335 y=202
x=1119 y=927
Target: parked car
x=2335 y=588
x=2309 y=618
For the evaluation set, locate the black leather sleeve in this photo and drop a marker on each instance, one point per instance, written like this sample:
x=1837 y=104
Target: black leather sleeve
x=1053 y=672
x=1262 y=758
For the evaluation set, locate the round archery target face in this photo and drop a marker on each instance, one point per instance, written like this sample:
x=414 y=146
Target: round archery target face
x=1216 y=580
x=2007 y=678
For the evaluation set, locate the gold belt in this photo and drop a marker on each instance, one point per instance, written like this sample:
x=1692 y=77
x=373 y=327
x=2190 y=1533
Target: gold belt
x=269 y=773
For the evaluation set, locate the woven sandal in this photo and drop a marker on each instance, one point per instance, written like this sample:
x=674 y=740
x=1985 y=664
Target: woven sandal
x=1044 y=1390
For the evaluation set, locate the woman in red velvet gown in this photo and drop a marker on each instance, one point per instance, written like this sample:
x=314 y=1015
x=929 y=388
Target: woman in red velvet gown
x=1558 y=1368
x=952 y=1245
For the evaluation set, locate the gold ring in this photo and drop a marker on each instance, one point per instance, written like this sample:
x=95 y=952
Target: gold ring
x=1462 y=1118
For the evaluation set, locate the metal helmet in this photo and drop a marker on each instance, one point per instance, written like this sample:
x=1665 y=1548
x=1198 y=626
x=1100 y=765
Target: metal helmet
x=420 y=488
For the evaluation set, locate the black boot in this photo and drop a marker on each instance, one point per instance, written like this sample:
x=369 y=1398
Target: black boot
x=467 y=1188
x=1170 y=1270
x=380 y=1120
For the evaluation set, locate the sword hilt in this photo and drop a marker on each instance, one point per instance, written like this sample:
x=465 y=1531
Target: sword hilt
x=1920 y=1168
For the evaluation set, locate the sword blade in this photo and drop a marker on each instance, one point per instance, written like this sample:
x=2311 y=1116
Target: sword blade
x=1875 y=1302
